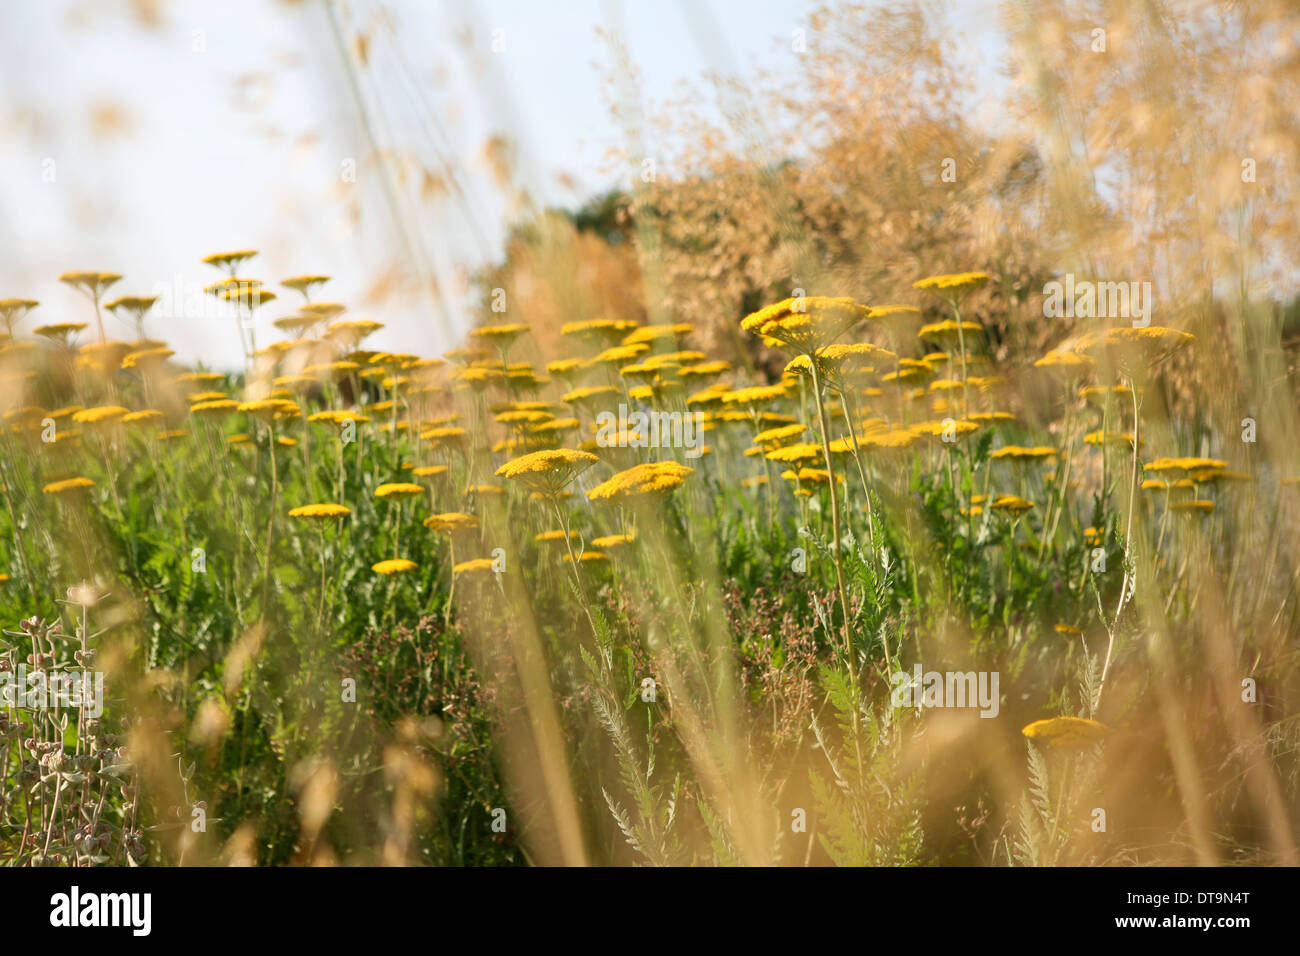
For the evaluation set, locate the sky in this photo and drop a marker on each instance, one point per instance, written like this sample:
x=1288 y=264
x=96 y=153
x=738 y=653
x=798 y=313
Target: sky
x=138 y=136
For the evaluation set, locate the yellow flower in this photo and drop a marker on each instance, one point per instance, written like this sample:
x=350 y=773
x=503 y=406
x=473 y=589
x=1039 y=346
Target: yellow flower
x=427 y=471
x=67 y=484
x=604 y=328
x=229 y=260
x=884 y=311
x=451 y=522
x=643 y=479
x=1018 y=453
x=59 y=330
x=653 y=333
x=588 y=557
x=754 y=395
x=613 y=540
x=549 y=470
x=1067 y=629
x=1066 y=732
x=475 y=566
x=802 y=451
x=320 y=511
x=589 y=394
x=947 y=331
x=398 y=489
x=805 y=324
x=556 y=536
x=215 y=407
x=779 y=434
x=271 y=408
x=1201 y=507
x=1012 y=503
x=502 y=335
x=957 y=280
x=1113 y=438
x=103 y=413
x=147 y=415
x=394 y=566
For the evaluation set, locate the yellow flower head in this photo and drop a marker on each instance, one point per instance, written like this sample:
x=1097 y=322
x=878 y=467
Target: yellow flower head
x=398 y=489
x=475 y=566
x=957 y=281
x=1012 y=503
x=394 y=566
x=320 y=511
x=451 y=522
x=643 y=479
x=549 y=470
x=805 y=324
x=67 y=485
x=1066 y=732
x=100 y=414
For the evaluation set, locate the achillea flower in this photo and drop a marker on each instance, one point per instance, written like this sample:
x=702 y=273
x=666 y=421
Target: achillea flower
x=451 y=522
x=229 y=261
x=500 y=335
x=939 y=429
x=1012 y=503
x=613 y=540
x=805 y=325
x=1067 y=629
x=1200 y=506
x=1113 y=438
x=556 y=536
x=428 y=471
x=566 y=368
x=754 y=395
x=589 y=395
x=195 y=397
x=67 y=485
x=445 y=436
x=620 y=354
x=320 y=511
x=991 y=418
x=271 y=408
x=1128 y=347
x=304 y=284
x=598 y=328
x=100 y=414
x=812 y=476
x=220 y=406
x=554 y=426
x=953 y=281
x=703 y=369
x=398 y=489
x=885 y=311
x=1065 y=362
x=1066 y=732
x=394 y=566
x=639 y=480
x=588 y=557
x=549 y=470
x=655 y=333
x=474 y=566
x=779 y=434
x=802 y=451
x=59 y=331
x=1019 y=453
x=140 y=417
x=947 y=331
